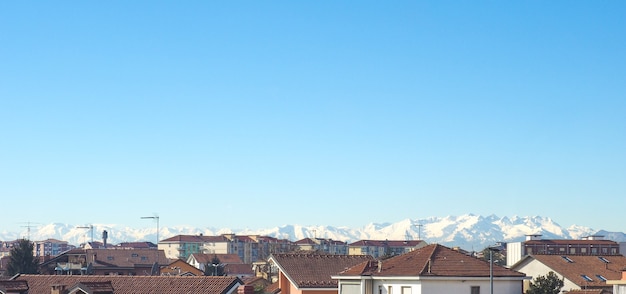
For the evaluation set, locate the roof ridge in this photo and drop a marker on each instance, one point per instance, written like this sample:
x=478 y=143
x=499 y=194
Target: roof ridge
x=429 y=261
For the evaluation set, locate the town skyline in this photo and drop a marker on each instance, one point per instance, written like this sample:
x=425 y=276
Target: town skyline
x=258 y=114
x=469 y=231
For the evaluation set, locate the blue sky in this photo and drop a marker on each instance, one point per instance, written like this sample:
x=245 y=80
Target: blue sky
x=255 y=114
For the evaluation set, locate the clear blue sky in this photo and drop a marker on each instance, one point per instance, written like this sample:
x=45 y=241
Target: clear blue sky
x=255 y=114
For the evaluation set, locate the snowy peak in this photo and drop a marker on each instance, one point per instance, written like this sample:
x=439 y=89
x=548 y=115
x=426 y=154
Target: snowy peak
x=469 y=231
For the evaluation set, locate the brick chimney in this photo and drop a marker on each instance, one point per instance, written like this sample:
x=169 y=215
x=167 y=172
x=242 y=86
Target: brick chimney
x=245 y=289
x=57 y=289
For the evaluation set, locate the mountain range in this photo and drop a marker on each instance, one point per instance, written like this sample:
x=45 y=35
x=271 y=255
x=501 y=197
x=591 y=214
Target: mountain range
x=469 y=231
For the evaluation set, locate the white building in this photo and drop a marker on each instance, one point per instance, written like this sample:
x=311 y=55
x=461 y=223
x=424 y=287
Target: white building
x=432 y=269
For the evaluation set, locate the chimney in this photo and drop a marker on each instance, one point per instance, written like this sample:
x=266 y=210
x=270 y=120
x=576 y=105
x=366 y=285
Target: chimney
x=245 y=289
x=624 y=274
x=105 y=236
x=57 y=289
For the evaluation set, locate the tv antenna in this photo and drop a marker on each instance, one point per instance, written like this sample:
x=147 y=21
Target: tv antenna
x=28 y=226
x=90 y=227
x=419 y=230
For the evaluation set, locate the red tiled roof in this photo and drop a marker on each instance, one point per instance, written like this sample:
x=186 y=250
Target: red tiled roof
x=94 y=287
x=136 y=284
x=13 y=286
x=432 y=260
x=224 y=258
x=238 y=269
x=570 y=242
x=272 y=288
x=315 y=270
x=588 y=265
x=588 y=291
x=391 y=243
x=214 y=239
x=305 y=241
x=125 y=257
x=184 y=239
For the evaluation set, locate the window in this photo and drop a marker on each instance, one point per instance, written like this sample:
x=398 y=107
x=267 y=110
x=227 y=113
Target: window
x=109 y=257
x=389 y=290
x=567 y=259
x=603 y=259
x=406 y=290
x=572 y=250
x=583 y=250
x=603 y=279
x=587 y=278
x=475 y=290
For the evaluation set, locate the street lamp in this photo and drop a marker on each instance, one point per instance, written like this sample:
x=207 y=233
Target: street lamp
x=491 y=250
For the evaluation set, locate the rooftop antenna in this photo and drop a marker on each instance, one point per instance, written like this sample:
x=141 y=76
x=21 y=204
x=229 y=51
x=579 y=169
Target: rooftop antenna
x=28 y=226
x=90 y=227
x=419 y=230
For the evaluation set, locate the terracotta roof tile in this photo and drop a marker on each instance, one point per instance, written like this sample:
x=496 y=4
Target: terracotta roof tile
x=574 y=267
x=315 y=270
x=431 y=260
x=13 y=286
x=390 y=243
x=224 y=258
x=136 y=284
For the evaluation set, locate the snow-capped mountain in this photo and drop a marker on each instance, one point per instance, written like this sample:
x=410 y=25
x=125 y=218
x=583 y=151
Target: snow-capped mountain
x=470 y=232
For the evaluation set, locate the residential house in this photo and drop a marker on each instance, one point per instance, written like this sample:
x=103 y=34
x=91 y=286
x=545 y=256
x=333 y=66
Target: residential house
x=383 y=248
x=321 y=245
x=200 y=260
x=619 y=286
x=257 y=283
x=13 y=287
x=181 y=246
x=249 y=248
x=4 y=263
x=429 y=270
x=535 y=245
x=179 y=267
x=241 y=270
x=6 y=246
x=58 y=284
x=302 y=273
x=136 y=245
x=106 y=262
x=50 y=247
x=579 y=272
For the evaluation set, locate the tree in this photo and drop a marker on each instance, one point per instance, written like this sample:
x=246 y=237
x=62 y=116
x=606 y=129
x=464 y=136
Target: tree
x=21 y=259
x=548 y=284
x=214 y=268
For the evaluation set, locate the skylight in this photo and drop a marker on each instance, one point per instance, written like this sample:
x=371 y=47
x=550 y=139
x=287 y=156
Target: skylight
x=567 y=259
x=603 y=259
x=603 y=279
x=587 y=278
